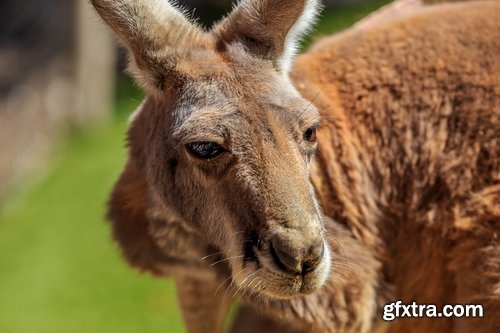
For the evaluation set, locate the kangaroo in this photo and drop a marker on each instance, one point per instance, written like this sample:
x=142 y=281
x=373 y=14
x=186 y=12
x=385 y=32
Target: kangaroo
x=365 y=171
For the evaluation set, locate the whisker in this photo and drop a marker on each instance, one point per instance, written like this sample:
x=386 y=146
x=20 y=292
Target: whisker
x=341 y=249
x=225 y=259
x=258 y=286
x=258 y=240
x=311 y=102
x=223 y=282
x=243 y=282
x=232 y=282
x=211 y=255
x=238 y=232
x=250 y=283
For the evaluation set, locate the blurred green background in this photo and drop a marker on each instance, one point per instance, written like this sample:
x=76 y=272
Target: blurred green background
x=59 y=269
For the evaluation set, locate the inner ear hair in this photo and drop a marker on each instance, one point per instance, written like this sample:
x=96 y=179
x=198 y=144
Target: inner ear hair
x=269 y=29
x=261 y=46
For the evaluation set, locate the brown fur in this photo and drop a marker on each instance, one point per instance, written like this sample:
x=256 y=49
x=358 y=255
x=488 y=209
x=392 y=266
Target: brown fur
x=412 y=123
x=407 y=171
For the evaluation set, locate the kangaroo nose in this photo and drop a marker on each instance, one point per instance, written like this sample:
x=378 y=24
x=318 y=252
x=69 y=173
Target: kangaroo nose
x=295 y=259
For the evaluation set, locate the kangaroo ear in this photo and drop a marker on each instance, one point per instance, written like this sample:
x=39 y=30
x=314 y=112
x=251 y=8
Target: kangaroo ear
x=153 y=30
x=270 y=29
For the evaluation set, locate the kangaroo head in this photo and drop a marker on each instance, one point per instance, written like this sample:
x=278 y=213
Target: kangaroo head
x=226 y=140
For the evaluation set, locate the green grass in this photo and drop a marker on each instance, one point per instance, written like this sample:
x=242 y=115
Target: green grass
x=59 y=270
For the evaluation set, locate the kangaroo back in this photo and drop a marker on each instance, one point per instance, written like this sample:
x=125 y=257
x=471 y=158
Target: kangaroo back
x=409 y=155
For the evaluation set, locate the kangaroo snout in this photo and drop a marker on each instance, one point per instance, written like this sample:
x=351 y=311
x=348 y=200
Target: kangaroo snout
x=295 y=256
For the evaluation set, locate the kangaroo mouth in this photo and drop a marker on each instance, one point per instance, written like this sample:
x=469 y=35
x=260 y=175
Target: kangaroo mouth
x=270 y=274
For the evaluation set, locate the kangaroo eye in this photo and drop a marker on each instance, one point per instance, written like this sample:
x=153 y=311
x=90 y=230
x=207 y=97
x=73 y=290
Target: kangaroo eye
x=205 y=150
x=310 y=134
